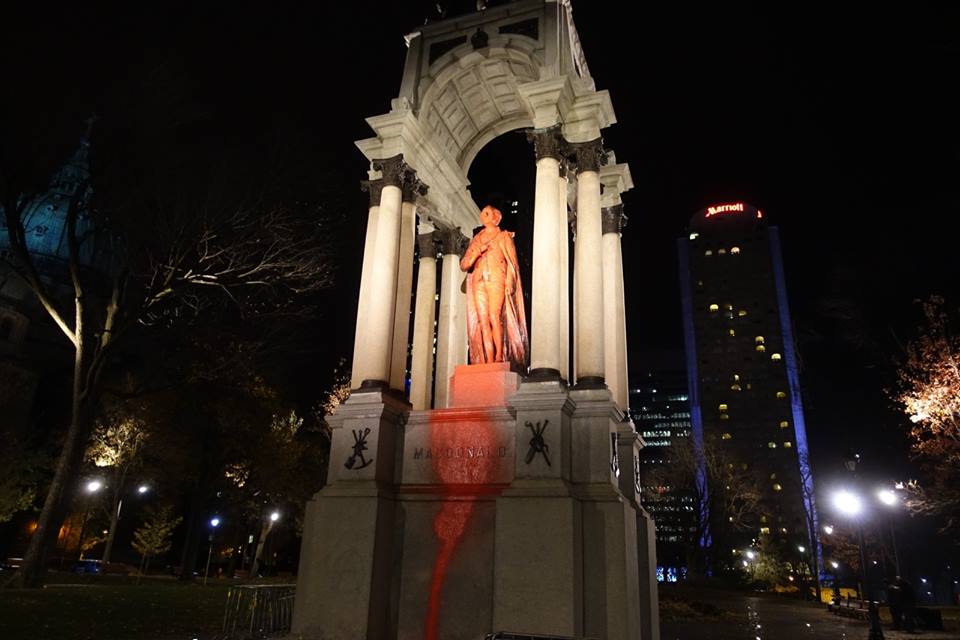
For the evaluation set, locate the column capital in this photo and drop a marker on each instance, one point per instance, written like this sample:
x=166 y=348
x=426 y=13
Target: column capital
x=547 y=143
x=374 y=189
x=412 y=187
x=452 y=241
x=393 y=170
x=613 y=219
x=590 y=156
x=427 y=244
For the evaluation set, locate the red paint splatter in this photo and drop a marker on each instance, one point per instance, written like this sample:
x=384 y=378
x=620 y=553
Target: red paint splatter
x=464 y=455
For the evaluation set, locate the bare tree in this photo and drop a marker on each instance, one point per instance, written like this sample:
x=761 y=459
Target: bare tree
x=174 y=263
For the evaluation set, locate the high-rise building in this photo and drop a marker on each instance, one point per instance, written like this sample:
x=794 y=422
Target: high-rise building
x=742 y=368
x=660 y=408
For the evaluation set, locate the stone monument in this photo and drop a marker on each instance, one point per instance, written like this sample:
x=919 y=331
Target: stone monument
x=499 y=495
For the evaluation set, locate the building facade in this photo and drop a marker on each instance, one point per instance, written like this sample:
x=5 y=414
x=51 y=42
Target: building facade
x=660 y=407
x=742 y=366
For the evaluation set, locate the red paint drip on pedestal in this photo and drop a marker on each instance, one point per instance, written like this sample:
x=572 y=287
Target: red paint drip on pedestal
x=463 y=457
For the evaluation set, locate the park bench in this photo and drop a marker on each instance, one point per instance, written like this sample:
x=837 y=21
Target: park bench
x=851 y=609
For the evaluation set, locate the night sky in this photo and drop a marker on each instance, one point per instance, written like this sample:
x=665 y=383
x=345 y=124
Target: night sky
x=840 y=124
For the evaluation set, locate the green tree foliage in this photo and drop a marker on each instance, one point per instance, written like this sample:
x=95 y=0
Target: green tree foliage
x=155 y=535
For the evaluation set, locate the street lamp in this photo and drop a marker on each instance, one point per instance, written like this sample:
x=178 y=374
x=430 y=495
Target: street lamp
x=274 y=516
x=93 y=486
x=851 y=505
x=828 y=529
x=214 y=523
x=142 y=489
x=890 y=499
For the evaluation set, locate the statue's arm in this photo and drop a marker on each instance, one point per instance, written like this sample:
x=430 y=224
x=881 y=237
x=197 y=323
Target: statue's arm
x=470 y=255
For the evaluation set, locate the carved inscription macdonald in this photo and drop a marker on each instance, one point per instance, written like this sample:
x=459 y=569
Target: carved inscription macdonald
x=427 y=453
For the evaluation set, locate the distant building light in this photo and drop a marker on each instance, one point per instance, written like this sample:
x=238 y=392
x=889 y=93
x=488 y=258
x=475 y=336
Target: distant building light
x=742 y=312
x=708 y=252
x=694 y=235
x=714 y=307
x=784 y=424
x=734 y=250
x=775 y=356
x=726 y=436
x=771 y=445
x=781 y=395
x=788 y=444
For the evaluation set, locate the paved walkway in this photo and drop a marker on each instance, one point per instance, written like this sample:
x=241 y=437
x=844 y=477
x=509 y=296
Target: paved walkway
x=776 y=618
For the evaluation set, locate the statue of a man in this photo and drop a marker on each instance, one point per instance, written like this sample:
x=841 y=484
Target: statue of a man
x=496 y=319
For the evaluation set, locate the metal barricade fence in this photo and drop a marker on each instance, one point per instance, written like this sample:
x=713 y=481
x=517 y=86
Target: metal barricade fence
x=258 y=611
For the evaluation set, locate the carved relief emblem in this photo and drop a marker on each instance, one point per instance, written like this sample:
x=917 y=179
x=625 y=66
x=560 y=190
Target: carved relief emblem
x=359 y=446
x=537 y=443
x=614 y=454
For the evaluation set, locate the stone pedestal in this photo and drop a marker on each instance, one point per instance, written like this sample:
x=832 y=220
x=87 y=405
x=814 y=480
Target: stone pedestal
x=500 y=513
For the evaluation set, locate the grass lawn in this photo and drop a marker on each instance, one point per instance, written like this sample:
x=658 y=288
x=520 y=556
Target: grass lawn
x=112 y=608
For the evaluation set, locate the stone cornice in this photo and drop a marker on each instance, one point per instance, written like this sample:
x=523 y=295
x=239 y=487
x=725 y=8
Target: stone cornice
x=616 y=180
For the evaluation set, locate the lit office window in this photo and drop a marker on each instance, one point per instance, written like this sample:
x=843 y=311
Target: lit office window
x=775 y=356
x=723 y=406
x=714 y=307
x=735 y=250
x=788 y=444
x=784 y=424
x=781 y=395
x=742 y=312
x=727 y=436
x=777 y=487
x=761 y=348
x=732 y=332
x=708 y=252
x=772 y=445
x=721 y=251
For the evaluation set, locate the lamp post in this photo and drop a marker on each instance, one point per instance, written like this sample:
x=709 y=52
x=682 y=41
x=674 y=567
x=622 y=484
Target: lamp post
x=92 y=487
x=851 y=505
x=108 y=546
x=889 y=499
x=214 y=523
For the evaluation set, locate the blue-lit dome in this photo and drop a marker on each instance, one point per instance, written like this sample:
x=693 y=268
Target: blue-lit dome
x=44 y=217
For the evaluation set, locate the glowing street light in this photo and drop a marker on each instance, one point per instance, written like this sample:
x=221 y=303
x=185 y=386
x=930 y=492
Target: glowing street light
x=274 y=516
x=751 y=555
x=142 y=489
x=801 y=548
x=834 y=564
x=828 y=529
x=848 y=503
x=887 y=497
x=93 y=486
x=214 y=523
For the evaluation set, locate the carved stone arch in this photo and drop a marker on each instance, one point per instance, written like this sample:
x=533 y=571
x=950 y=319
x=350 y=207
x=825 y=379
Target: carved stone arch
x=470 y=97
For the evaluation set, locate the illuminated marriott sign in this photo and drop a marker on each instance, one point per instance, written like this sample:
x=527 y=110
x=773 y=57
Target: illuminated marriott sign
x=736 y=207
x=724 y=208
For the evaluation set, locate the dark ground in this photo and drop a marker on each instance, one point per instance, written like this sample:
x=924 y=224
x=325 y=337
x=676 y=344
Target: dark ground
x=746 y=616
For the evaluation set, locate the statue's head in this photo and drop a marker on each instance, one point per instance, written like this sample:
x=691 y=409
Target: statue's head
x=490 y=216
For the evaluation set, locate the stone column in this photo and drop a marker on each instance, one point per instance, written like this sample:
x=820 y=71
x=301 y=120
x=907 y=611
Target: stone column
x=588 y=303
x=452 y=324
x=564 y=280
x=371 y=363
x=401 y=319
x=421 y=363
x=545 y=320
x=374 y=188
x=614 y=318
